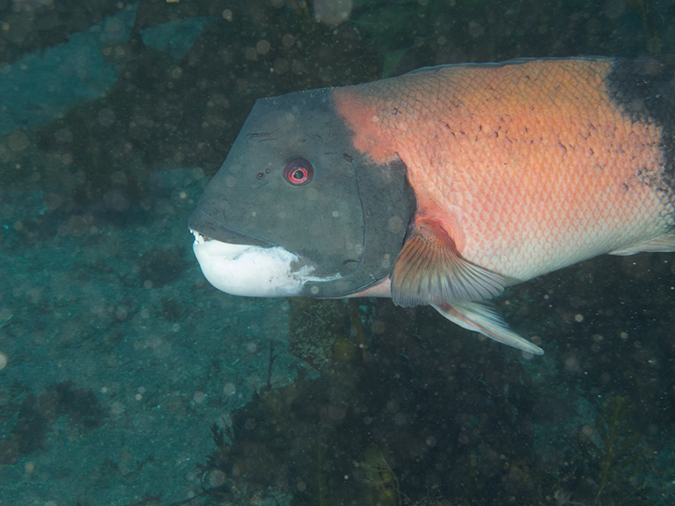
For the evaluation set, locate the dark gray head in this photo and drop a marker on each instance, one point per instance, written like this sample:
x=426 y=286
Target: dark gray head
x=296 y=209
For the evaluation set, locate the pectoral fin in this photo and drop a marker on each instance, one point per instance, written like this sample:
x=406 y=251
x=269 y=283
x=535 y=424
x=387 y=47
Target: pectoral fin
x=430 y=270
x=481 y=317
x=663 y=244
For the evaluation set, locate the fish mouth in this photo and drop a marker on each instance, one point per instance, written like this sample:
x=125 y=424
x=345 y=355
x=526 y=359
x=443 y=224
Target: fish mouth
x=250 y=270
x=209 y=228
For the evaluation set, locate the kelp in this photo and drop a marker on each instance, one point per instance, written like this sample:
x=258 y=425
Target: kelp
x=614 y=455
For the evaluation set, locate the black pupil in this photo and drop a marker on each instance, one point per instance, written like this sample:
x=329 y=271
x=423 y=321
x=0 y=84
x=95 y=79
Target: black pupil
x=298 y=174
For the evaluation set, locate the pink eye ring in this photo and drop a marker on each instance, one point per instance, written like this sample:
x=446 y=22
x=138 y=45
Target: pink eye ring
x=298 y=172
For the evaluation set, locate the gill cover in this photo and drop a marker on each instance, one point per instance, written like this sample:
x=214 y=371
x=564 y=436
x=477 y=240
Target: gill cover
x=348 y=220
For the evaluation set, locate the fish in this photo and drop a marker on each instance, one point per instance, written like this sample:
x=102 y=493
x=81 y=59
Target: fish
x=445 y=185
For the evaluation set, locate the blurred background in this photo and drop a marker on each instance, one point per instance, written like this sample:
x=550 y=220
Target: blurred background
x=125 y=379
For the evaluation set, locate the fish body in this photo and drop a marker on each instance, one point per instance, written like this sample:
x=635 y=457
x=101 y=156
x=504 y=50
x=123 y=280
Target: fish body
x=444 y=185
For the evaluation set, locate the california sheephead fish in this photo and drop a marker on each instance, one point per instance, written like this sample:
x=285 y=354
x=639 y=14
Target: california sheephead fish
x=445 y=185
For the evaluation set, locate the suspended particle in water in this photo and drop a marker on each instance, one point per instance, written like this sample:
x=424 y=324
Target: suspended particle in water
x=332 y=12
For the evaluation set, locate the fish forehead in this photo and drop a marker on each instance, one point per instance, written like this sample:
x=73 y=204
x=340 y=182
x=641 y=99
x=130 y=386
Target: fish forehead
x=249 y=200
x=532 y=164
x=347 y=224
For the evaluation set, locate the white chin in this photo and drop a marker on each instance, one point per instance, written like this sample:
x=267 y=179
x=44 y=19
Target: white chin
x=242 y=269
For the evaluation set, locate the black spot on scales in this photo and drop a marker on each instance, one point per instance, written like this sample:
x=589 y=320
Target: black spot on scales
x=644 y=89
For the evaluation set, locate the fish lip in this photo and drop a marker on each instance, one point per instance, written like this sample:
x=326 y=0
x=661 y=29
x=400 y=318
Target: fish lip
x=210 y=228
x=200 y=238
x=224 y=250
x=238 y=269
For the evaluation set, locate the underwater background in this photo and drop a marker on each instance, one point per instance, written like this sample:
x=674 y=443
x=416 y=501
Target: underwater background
x=126 y=379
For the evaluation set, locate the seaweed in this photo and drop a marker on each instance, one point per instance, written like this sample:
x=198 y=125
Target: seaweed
x=403 y=427
x=613 y=453
x=217 y=463
x=381 y=477
x=215 y=483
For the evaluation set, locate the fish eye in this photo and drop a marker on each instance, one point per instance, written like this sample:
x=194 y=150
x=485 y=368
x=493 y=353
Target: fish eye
x=298 y=172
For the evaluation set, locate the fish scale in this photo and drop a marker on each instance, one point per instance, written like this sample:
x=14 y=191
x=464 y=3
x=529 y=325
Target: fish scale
x=531 y=166
x=501 y=172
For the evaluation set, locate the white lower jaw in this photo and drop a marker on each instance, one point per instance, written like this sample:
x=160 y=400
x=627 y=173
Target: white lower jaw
x=252 y=271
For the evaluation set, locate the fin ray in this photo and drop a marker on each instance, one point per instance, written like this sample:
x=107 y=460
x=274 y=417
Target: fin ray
x=662 y=244
x=483 y=318
x=430 y=270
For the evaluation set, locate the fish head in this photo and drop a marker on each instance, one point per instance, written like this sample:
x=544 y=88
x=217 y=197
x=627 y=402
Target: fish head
x=296 y=210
